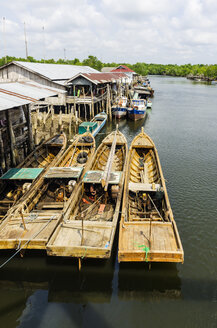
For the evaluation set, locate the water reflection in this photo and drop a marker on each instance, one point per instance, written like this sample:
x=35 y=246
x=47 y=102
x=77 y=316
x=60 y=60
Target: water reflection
x=138 y=281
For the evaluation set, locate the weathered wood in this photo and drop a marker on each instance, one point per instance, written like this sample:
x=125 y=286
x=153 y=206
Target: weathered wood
x=106 y=176
x=147 y=229
x=86 y=233
x=39 y=206
x=27 y=113
x=2 y=153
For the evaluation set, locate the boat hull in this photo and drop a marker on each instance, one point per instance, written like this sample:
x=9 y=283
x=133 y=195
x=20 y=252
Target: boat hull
x=147 y=217
x=35 y=218
x=135 y=114
x=92 y=235
x=119 y=112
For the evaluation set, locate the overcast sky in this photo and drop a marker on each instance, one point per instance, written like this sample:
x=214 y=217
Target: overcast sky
x=151 y=31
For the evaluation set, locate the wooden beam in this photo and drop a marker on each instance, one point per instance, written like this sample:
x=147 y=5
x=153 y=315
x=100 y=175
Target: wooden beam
x=11 y=138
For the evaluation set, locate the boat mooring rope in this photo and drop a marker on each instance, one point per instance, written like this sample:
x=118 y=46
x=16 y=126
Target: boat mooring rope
x=35 y=235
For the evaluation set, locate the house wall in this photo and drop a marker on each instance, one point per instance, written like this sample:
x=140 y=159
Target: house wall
x=14 y=73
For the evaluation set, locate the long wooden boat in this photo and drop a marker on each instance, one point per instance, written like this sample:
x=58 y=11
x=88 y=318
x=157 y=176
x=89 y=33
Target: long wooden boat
x=89 y=226
x=148 y=231
x=33 y=221
x=95 y=125
x=17 y=181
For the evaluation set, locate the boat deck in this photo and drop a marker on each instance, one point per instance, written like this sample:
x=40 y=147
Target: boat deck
x=38 y=230
x=90 y=239
x=149 y=241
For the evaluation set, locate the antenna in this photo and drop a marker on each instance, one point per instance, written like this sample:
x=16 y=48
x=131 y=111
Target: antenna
x=3 y=27
x=25 y=40
x=43 y=44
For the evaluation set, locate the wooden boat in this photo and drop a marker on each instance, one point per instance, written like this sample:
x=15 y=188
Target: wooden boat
x=89 y=226
x=34 y=219
x=137 y=110
x=148 y=231
x=17 y=181
x=95 y=125
x=119 y=110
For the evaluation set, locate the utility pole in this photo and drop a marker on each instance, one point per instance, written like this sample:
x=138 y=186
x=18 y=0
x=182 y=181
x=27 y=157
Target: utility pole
x=25 y=40
x=3 y=27
x=43 y=43
x=64 y=54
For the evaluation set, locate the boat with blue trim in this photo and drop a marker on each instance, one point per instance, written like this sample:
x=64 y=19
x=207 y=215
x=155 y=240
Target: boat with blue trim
x=137 y=110
x=95 y=125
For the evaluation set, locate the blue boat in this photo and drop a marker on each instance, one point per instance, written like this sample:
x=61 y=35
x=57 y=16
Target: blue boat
x=94 y=126
x=137 y=110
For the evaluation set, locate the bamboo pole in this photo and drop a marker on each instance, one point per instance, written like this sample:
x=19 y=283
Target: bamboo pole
x=106 y=174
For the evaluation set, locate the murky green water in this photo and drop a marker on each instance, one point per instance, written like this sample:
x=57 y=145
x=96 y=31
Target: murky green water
x=38 y=291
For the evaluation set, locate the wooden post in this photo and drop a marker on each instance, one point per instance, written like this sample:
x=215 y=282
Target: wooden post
x=85 y=109
x=70 y=123
x=27 y=114
x=60 y=120
x=76 y=121
x=92 y=104
x=37 y=115
x=108 y=103
x=110 y=108
x=11 y=138
x=2 y=153
x=44 y=121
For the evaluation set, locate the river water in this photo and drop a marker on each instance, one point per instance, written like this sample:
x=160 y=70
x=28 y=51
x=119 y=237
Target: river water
x=38 y=291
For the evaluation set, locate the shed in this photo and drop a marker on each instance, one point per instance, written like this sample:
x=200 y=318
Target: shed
x=53 y=75
x=15 y=119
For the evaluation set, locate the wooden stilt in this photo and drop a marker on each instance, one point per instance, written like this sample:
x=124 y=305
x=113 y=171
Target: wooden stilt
x=11 y=138
x=60 y=120
x=79 y=264
x=27 y=112
x=2 y=155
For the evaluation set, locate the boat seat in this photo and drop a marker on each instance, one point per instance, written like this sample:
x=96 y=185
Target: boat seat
x=134 y=186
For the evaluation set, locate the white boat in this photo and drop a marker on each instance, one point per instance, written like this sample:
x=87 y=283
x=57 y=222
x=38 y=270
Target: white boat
x=120 y=109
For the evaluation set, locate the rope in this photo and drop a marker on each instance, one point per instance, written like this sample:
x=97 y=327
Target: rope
x=35 y=235
x=155 y=206
x=146 y=249
x=83 y=256
x=85 y=209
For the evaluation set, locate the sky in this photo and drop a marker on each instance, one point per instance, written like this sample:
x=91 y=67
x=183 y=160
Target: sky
x=131 y=31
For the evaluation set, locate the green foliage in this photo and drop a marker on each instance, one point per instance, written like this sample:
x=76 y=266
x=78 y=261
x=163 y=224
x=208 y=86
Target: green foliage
x=201 y=70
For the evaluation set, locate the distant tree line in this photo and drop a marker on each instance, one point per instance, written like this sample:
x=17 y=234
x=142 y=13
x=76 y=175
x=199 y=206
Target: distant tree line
x=201 y=70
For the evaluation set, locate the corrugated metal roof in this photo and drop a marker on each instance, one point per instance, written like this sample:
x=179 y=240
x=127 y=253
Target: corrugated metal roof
x=16 y=94
x=98 y=78
x=8 y=101
x=107 y=69
x=56 y=72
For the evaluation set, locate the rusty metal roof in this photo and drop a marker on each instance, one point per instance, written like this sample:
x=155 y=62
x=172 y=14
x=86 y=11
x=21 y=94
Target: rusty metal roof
x=123 y=68
x=98 y=78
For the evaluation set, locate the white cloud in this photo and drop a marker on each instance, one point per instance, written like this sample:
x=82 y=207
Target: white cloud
x=163 y=31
